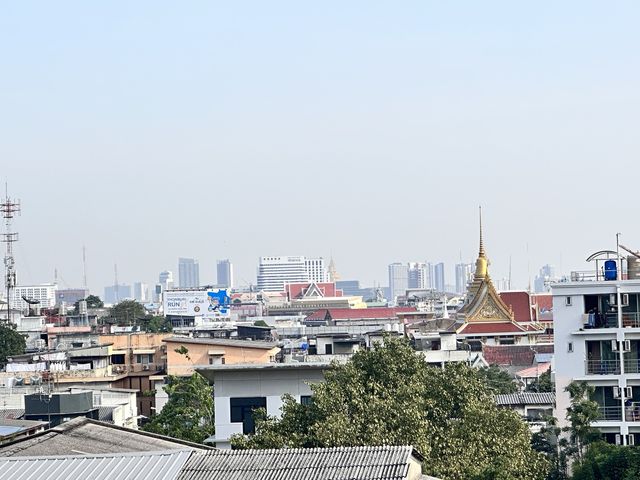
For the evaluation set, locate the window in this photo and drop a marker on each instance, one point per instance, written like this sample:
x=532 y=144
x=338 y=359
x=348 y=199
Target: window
x=567 y=301
x=305 y=399
x=570 y=347
x=242 y=411
x=117 y=360
x=144 y=358
x=328 y=349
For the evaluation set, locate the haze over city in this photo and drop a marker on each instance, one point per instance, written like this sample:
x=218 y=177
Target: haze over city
x=365 y=131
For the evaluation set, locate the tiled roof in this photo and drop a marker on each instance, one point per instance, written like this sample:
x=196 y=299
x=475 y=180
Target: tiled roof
x=526 y=398
x=123 y=466
x=358 y=313
x=519 y=303
x=490 y=327
x=223 y=342
x=522 y=355
x=543 y=300
x=533 y=372
x=342 y=463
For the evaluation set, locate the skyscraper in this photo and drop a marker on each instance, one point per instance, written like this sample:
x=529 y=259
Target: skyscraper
x=316 y=269
x=546 y=275
x=274 y=272
x=398 y=280
x=225 y=273
x=464 y=274
x=438 y=277
x=188 y=273
x=418 y=275
x=140 y=292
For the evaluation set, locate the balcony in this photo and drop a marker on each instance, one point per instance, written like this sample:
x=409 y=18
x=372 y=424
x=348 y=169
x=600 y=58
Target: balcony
x=610 y=320
x=631 y=320
x=610 y=414
x=603 y=367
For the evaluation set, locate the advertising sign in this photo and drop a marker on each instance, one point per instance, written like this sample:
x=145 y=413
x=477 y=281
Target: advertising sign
x=211 y=303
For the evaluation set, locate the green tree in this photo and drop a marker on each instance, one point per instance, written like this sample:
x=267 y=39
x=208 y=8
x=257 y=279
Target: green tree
x=389 y=395
x=498 y=380
x=581 y=414
x=542 y=384
x=188 y=414
x=11 y=343
x=127 y=312
x=609 y=462
x=93 y=301
x=154 y=324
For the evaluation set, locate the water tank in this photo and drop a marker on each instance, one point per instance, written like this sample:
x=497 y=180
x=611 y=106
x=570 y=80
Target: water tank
x=610 y=270
x=633 y=267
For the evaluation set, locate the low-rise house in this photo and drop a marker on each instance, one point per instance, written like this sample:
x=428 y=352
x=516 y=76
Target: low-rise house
x=533 y=407
x=185 y=354
x=11 y=430
x=241 y=388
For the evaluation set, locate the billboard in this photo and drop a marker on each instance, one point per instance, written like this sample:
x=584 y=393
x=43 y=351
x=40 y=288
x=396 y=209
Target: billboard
x=212 y=303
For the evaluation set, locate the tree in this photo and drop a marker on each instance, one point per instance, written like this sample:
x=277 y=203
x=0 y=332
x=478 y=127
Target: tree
x=127 y=312
x=93 y=301
x=542 y=384
x=498 y=380
x=609 y=462
x=11 y=343
x=188 y=414
x=581 y=414
x=155 y=324
x=390 y=396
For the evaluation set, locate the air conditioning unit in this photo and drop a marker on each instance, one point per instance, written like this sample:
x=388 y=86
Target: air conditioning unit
x=624 y=299
x=618 y=439
x=631 y=439
x=626 y=346
x=614 y=346
x=617 y=392
x=628 y=392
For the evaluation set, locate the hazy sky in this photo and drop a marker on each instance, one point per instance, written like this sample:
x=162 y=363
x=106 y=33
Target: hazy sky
x=150 y=130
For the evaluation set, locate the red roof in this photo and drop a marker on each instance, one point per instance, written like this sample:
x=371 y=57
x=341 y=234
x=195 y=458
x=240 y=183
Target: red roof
x=490 y=327
x=534 y=372
x=297 y=290
x=523 y=355
x=358 y=313
x=519 y=303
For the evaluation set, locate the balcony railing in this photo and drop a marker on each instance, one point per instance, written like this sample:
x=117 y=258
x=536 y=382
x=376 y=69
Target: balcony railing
x=631 y=365
x=603 y=367
x=610 y=320
x=610 y=413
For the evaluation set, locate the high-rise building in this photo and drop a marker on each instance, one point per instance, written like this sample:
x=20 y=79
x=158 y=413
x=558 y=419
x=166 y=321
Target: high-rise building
x=464 y=274
x=438 y=277
x=188 y=273
x=140 y=292
x=224 y=270
x=398 y=280
x=44 y=293
x=114 y=294
x=166 y=279
x=542 y=282
x=418 y=275
x=275 y=272
x=316 y=270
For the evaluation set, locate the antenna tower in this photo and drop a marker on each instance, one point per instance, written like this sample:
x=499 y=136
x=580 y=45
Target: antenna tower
x=84 y=266
x=9 y=209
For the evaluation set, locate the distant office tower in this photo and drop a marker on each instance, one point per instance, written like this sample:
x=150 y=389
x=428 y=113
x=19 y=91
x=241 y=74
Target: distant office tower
x=165 y=279
x=140 y=292
x=275 y=272
x=438 y=277
x=188 y=273
x=225 y=273
x=71 y=295
x=114 y=295
x=316 y=270
x=44 y=293
x=398 y=280
x=542 y=282
x=418 y=275
x=464 y=274
x=349 y=287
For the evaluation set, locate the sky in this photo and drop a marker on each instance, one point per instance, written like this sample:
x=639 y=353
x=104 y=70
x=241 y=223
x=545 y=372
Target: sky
x=367 y=131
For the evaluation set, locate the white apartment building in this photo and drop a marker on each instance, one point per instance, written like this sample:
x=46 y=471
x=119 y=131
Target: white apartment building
x=44 y=293
x=597 y=340
x=275 y=272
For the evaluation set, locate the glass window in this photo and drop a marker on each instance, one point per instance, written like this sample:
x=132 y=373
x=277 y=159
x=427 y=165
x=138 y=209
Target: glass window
x=242 y=411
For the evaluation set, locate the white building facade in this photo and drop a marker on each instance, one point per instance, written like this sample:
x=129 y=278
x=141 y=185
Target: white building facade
x=275 y=272
x=597 y=340
x=44 y=293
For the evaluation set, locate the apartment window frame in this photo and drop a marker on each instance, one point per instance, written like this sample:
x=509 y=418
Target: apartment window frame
x=568 y=301
x=241 y=411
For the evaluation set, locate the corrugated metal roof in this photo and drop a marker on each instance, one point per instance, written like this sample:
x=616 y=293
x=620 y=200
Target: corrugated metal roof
x=227 y=342
x=125 y=466
x=526 y=398
x=341 y=463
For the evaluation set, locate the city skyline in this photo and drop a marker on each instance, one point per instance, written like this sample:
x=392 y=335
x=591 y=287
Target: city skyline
x=414 y=114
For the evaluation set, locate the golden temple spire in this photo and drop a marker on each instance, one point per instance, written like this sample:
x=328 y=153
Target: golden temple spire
x=481 y=263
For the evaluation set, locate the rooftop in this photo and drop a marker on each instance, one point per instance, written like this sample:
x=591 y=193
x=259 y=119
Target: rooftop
x=91 y=437
x=141 y=466
x=358 y=313
x=223 y=342
x=526 y=398
x=342 y=463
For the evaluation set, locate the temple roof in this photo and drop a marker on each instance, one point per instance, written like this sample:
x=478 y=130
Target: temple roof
x=483 y=304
